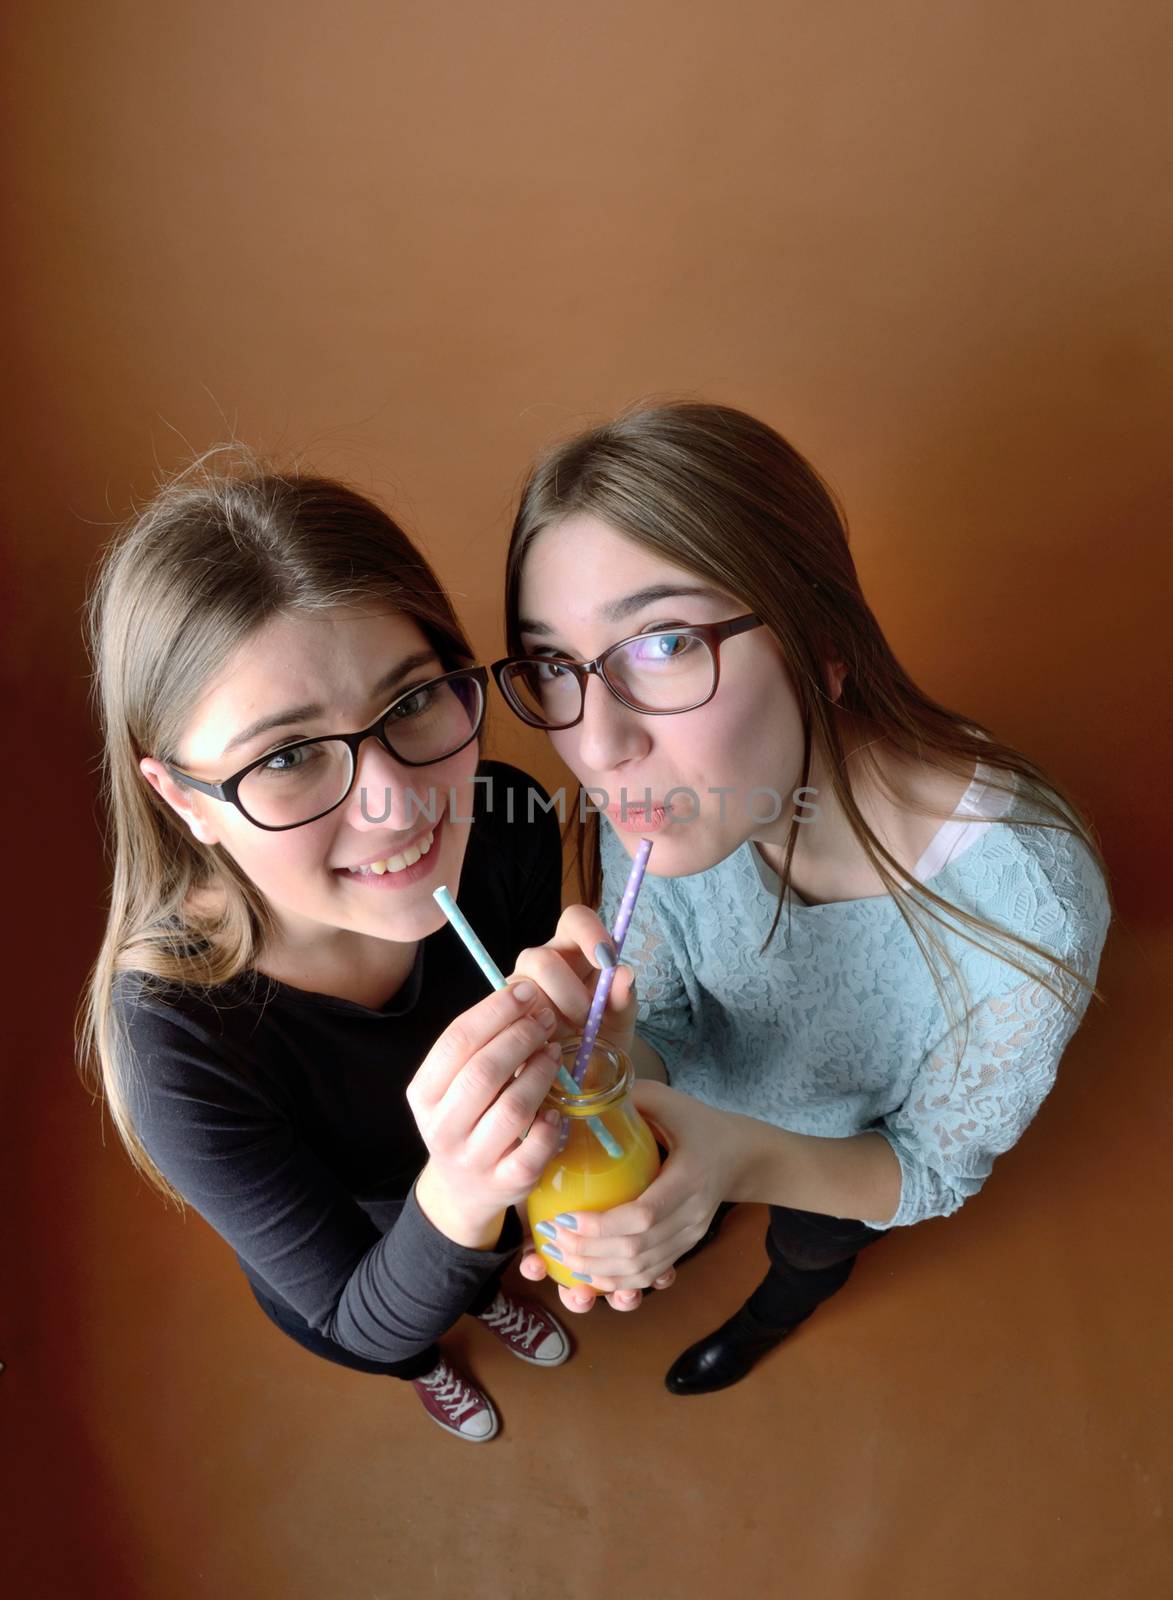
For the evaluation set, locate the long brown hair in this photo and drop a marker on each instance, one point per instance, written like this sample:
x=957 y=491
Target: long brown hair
x=725 y=497
x=222 y=548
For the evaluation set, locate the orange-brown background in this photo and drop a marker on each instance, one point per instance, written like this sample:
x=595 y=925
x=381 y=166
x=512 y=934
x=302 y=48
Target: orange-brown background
x=931 y=243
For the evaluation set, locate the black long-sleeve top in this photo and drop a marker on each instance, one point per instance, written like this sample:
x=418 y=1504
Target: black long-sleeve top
x=280 y=1115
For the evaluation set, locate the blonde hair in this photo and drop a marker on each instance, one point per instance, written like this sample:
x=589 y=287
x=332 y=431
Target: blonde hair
x=221 y=548
x=725 y=497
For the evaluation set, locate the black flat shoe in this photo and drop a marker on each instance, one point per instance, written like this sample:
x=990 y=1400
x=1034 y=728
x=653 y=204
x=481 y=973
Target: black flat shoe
x=724 y=1357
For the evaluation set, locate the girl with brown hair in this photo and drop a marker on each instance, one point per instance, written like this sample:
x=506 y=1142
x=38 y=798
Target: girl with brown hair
x=869 y=927
x=288 y=1034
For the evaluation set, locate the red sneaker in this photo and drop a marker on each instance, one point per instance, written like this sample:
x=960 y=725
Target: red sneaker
x=528 y=1330
x=456 y=1405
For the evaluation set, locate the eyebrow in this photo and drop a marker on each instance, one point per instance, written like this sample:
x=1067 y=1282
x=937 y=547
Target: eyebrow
x=620 y=610
x=297 y=714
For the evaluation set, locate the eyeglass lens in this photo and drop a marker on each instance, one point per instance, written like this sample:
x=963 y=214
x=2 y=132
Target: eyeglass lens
x=298 y=784
x=654 y=672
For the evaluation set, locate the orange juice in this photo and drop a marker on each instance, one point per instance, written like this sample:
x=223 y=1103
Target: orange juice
x=582 y=1175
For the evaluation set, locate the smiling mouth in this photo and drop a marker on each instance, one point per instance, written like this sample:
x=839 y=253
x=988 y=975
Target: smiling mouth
x=398 y=862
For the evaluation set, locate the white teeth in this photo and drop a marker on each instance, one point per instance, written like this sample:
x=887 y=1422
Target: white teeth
x=399 y=863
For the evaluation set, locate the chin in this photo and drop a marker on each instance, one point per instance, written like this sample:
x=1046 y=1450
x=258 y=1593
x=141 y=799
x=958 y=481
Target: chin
x=689 y=851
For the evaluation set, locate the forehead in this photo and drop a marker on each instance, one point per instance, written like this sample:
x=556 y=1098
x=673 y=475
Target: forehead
x=576 y=567
x=329 y=658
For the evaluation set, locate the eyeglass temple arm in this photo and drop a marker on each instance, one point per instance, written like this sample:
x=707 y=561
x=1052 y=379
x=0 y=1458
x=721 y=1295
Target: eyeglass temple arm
x=216 y=790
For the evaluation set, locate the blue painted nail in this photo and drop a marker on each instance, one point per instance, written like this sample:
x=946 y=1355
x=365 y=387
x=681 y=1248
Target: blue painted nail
x=565 y=1220
x=605 y=954
x=553 y=1251
x=582 y=1277
x=545 y=1230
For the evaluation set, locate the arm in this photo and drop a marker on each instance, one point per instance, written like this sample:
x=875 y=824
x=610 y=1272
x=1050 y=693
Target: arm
x=240 y=1161
x=922 y=1160
x=853 y=1177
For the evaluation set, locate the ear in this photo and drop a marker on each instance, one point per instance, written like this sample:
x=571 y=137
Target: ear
x=836 y=675
x=183 y=801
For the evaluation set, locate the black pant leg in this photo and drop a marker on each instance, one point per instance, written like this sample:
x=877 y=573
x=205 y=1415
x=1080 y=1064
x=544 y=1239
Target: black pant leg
x=811 y=1258
x=301 y=1333
x=485 y=1296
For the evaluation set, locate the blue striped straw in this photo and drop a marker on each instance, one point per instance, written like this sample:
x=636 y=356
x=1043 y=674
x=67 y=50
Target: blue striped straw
x=496 y=977
x=607 y=977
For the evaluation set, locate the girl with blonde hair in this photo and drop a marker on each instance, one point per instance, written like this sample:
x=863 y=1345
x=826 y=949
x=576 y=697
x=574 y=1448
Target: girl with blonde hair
x=288 y=1034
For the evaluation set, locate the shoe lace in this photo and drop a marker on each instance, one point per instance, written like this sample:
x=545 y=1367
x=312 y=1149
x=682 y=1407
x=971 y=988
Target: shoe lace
x=450 y=1391
x=515 y=1321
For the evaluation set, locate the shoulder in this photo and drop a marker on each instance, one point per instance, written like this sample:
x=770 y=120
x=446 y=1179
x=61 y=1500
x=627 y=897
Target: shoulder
x=1039 y=881
x=187 y=1042
x=512 y=811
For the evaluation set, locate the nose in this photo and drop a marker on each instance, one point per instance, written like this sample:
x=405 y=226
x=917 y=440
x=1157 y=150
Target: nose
x=385 y=794
x=610 y=736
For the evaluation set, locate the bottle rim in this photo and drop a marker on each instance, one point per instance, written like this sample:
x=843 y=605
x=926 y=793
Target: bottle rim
x=590 y=1104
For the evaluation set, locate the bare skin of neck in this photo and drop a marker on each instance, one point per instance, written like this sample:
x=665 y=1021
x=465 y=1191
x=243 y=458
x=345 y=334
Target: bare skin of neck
x=333 y=961
x=829 y=863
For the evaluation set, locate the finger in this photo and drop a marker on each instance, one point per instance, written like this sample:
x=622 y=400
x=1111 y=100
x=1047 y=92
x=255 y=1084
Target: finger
x=578 y=1298
x=665 y=1280
x=510 y=1117
x=630 y=1261
x=625 y=1299
x=568 y=965
x=519 y=1168
x=495 y=1067
x=656 y=1103
x=635 y=1217
x=532 y=1266
x=467 y=1034
x=581 y=929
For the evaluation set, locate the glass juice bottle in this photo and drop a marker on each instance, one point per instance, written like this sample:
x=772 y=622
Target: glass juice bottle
x=583 y=1175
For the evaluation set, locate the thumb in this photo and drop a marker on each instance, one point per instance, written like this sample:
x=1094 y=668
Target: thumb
x=656 y=1103
x=531 y=1265
x=622 y=998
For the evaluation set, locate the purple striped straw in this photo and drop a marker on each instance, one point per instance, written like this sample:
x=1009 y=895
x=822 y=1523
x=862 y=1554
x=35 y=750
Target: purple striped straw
x=607 y=977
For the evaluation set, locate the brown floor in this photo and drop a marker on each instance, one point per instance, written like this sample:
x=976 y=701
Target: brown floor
x=985 y=1410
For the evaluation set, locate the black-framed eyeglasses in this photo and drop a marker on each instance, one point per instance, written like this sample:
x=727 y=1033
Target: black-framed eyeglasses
x=658 y=674
x=302 y=781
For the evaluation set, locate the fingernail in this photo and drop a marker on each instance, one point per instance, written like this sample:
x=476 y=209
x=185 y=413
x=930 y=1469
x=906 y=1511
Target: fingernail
x=545 y=1018
x=606 y=954
x=565 y=1220
x=552 y=1117
x=524 y=991
x=553 y=1050
x=582 y=1277
x=552 y=1251
x=544 y=1230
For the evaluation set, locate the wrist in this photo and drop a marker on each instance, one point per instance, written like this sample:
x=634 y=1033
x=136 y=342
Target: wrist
x=475 y=1227
x=752 y=1162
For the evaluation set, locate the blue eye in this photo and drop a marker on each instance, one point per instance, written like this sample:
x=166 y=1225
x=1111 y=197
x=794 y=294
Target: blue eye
x=291 y=760
x=656 y=648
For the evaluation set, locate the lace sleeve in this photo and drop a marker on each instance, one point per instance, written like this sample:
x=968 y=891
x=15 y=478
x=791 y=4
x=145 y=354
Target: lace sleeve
x=959 y=1117
x=665 y=1012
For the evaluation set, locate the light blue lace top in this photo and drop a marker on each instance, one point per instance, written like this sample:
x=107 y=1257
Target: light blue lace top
x=838 y=1027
